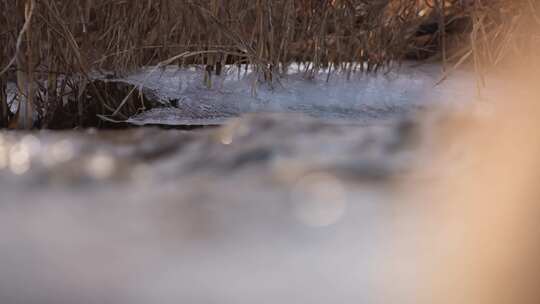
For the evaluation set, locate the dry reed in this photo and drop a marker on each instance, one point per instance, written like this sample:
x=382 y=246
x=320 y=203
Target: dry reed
x=51 y=46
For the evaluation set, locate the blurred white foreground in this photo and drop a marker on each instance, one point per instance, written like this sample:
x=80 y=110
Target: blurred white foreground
x=270 y=208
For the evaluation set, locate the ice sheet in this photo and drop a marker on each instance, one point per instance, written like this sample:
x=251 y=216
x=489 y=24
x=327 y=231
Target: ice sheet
x=358 y=99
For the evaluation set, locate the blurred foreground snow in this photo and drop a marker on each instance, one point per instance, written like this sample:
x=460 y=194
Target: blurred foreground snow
x=269 y=208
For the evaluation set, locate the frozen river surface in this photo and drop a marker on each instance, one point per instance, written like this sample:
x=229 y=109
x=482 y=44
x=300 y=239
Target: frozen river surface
x=297 y=201
x=336 y=98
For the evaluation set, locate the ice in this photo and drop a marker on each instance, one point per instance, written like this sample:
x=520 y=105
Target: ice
x=11 y=91
x=362 y=99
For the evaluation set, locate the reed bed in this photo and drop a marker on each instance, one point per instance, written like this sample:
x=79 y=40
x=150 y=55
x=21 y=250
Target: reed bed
x=52 y=46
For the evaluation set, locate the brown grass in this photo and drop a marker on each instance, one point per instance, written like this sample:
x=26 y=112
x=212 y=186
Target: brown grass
x=61 y=42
